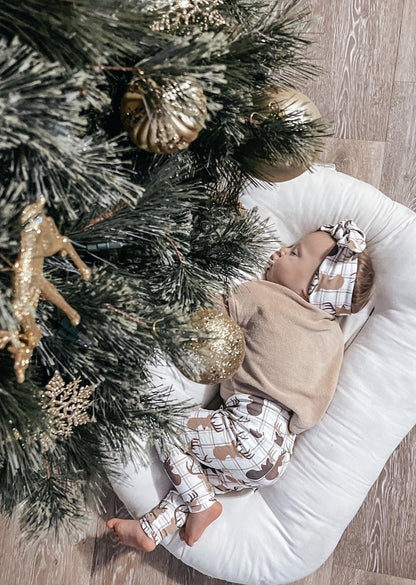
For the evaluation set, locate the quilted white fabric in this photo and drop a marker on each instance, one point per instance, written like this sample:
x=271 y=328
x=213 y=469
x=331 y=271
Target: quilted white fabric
x=285 y=532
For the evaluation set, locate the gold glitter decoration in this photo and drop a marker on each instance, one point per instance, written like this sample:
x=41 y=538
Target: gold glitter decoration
x=183 y=14
x=165 y=119
x=39 y=238
x=17 y=435
x=218 y=357
x=65 y=407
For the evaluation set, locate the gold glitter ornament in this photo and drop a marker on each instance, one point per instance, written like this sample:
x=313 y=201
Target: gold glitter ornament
x=217 y=357
x=181 y=15
x=65 y=407
x=39 y=238
x=283 y=103
x=164 y=120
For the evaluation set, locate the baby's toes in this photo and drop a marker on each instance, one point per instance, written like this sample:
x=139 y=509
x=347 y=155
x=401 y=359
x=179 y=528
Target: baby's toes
x=113 y=525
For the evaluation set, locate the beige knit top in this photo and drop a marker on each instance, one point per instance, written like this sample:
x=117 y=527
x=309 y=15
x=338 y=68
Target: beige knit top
x=293 y=351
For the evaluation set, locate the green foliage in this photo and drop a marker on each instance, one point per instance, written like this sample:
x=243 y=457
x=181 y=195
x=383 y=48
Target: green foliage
x=163 y=235
x=289 y=142
x=77 y=33
x=44 y=147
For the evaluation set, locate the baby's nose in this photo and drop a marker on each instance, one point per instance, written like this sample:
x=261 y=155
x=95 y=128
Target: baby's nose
x=274 y=256
x=277 y=255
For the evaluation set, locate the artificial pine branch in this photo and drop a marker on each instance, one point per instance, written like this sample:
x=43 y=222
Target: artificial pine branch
x=44 y=148
x=77 y=33
x=163 y=235
x=283 y=140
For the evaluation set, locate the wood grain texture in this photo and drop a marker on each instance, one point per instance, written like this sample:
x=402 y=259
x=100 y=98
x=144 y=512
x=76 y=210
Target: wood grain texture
x=406 y=60
x=361 y=159
x=45 y=561
x=382 y=536
x=399 y=168
x=349 y=576
x=321 y=577
x=360 y=39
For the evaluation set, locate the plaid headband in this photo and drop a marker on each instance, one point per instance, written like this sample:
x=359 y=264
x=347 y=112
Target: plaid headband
x=333 y=283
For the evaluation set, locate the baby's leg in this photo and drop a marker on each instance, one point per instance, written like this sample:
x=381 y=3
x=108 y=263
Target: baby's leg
x=166 y=518
x=247 y=443
x=189 y=479
x=187 y=475
x=147 y=532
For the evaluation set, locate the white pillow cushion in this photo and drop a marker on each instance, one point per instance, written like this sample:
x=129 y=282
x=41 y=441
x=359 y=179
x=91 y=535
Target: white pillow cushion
x=285 y=532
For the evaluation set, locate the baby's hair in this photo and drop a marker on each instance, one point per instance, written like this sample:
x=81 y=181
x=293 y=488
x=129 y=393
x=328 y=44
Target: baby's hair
x=364 y=283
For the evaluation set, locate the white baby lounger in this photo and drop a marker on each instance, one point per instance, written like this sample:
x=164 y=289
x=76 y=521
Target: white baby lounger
x=285 y=532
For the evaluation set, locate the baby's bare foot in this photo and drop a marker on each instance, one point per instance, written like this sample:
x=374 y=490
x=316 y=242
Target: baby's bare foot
x=130 y=533
x=197 y=522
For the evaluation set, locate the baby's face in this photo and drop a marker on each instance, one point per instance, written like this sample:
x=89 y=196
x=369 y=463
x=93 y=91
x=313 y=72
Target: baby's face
x=295 y=266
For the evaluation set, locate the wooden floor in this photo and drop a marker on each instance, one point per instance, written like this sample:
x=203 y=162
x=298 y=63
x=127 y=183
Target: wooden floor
x=368 y=91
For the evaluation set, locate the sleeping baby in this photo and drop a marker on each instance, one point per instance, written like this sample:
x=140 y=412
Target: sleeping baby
x=294 y=351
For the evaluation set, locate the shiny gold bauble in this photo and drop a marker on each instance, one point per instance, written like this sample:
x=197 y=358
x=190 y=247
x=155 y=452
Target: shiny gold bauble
x=168 y=121
x=287 y=102
x=219 y=354
x=283 y=103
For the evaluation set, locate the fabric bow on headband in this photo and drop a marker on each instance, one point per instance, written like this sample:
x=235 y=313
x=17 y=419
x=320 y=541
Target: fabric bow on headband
x=333 y=283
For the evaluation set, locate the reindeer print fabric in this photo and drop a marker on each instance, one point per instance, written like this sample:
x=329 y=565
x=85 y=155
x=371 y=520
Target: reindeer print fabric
x=245 y=444
x=166 y=518
x=189 y=479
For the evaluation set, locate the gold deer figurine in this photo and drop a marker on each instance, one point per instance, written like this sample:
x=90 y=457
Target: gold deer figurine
x=39 y=238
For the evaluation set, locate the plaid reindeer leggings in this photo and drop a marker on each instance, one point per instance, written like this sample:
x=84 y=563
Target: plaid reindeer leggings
x=245 y=444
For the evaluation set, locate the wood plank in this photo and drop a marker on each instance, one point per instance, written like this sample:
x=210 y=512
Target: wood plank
x=320 y=577
x=361 y=159
x=381 y=538
x=406 y=60
x=365 y=578
x=349 y=576
x=342 y=575
x=359 y=49
x=399 y=169
x=317 y=18
x=45 y=561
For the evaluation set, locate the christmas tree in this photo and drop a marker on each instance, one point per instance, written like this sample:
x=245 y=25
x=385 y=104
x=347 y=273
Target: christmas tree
x=128 y=129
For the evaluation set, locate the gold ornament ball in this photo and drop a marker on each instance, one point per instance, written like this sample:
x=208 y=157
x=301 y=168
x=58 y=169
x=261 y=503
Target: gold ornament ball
x=217 y=357
x=282 y=103
x=276 y=173
x=287 y=102
x=168 y=122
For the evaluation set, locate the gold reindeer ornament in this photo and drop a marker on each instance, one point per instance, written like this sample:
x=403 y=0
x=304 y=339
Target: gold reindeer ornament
x=39 y=239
